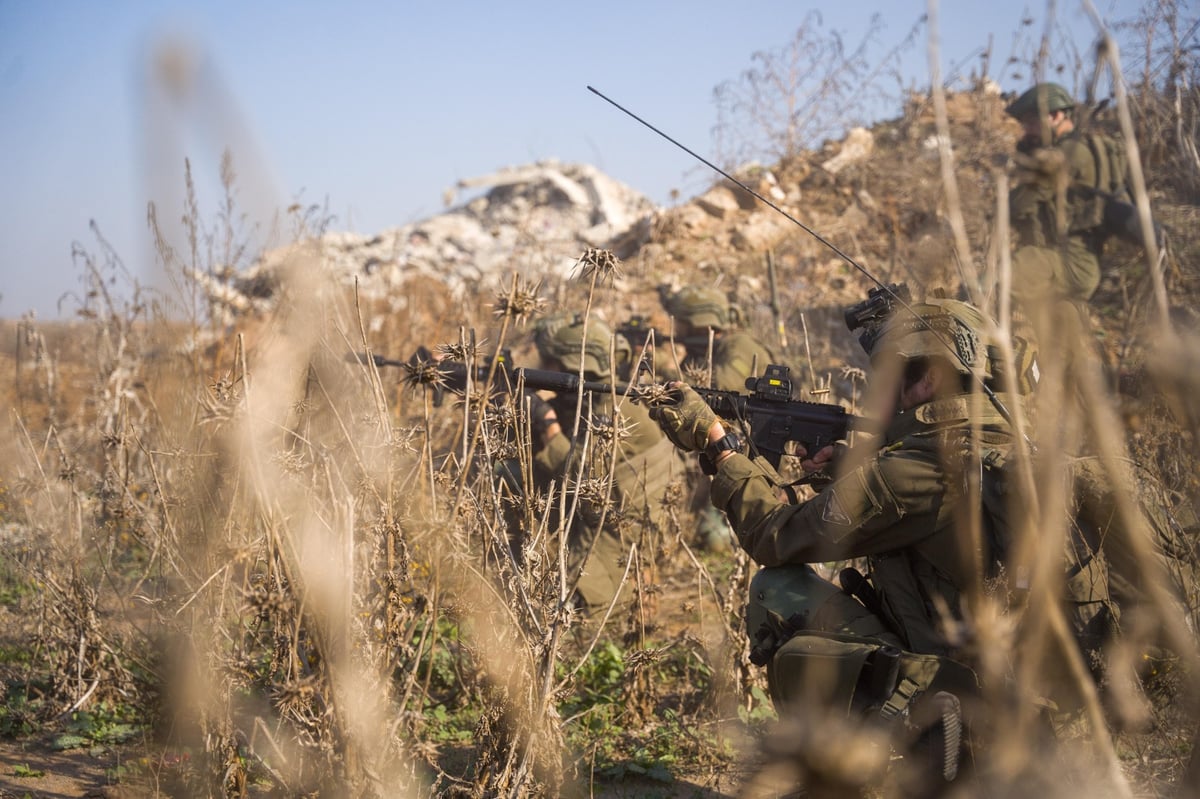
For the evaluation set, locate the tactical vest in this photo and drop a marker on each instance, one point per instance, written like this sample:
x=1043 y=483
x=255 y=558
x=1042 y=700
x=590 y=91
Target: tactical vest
x=1033 y=204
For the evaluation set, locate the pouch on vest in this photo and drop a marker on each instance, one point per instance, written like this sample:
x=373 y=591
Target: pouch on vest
x=786 y=600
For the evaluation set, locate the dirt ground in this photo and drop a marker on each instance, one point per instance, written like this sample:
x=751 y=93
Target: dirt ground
x=31 y=768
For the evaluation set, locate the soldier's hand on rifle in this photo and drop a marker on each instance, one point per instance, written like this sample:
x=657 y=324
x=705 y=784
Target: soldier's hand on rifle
x=820 y=459
x=686 y=419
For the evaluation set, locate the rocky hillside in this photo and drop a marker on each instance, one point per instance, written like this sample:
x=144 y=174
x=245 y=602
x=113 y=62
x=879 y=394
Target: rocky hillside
x=878 y=196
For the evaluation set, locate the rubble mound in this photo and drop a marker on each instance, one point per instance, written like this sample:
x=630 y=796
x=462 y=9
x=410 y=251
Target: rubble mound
x=534 y=218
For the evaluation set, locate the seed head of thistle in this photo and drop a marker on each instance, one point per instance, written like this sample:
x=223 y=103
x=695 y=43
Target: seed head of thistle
x=421 y=372
x=655 y=395
x=610 y=430
x=480 y=396
x=464 y=353
x=502 y=416
x=296 y=697
x=519 y=304
x=641 y=658
x=290 y=462
x=695 y=374
x=406 y=439
x=593 y=490
x=602 y=263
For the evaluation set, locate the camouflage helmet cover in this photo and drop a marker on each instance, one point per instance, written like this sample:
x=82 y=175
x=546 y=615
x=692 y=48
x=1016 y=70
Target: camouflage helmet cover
x=1052 y=95
x=561 y=337
x=945 y=328
x=700 y=307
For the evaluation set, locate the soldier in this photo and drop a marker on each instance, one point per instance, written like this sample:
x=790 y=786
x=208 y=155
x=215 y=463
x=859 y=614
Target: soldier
x=1065 y=203
x=607 y=519
x=1054 y=208
x=736 y=355
x=882 y=639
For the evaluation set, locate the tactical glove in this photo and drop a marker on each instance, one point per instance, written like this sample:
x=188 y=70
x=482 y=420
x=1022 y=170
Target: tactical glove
x=686 y=419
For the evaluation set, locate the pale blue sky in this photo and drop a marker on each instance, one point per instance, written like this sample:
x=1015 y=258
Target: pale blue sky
x=378 y=107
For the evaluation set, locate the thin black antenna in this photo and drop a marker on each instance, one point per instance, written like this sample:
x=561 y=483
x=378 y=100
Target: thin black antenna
x=744 y=187
x=991 y=395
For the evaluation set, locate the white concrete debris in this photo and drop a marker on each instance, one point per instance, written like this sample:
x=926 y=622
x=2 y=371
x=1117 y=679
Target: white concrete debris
x=856 y=147
x=535 y=219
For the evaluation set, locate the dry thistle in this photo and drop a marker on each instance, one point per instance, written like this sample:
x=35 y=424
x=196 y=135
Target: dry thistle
x=655 y=395
x=610 y=430
x=593 y=490
x=223 y=388
x=406 y=439
x=465 y=353
x=520 y=303
x=641 y=658
x=695 y=374
x=222 y=402
x=290 y=462
x=297 y=697
x=423 y=373
x=266 y=603
x=601 y=264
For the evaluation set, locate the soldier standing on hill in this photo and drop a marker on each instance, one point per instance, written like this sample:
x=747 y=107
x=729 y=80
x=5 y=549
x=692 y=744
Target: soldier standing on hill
x=1057 y=209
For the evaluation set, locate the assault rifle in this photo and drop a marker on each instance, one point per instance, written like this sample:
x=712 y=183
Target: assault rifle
x=453 y=373
x=773 y=417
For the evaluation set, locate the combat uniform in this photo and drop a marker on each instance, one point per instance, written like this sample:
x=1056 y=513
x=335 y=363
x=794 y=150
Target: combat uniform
x=896 y=508
x=897 y=502
x=645 y=464
x=607 y=518
x=1056 y=256
x=736 y=356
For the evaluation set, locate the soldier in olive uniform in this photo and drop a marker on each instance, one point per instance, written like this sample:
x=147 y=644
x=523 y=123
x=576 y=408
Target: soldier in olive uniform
x=1056 y=228
x=736 y=355
x=897 y=501
x=896 y=498
x=606 y=520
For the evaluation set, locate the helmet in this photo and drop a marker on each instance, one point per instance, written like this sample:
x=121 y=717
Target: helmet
x=1052 y=95
x=561 y=337
x=700 y=307
x=949 y=329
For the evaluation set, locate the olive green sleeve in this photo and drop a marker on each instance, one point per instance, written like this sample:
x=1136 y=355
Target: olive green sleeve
x=737 y=357
x=859 y=514
x=551 y=462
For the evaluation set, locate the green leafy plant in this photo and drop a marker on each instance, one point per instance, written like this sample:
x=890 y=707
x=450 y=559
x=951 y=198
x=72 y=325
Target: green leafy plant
x=24 y=770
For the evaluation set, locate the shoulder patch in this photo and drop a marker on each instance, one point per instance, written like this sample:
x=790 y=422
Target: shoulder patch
x=833 y=512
